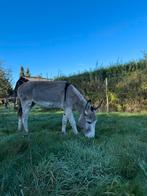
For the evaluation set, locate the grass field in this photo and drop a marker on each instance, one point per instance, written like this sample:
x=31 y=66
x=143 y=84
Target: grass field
x=47 y=163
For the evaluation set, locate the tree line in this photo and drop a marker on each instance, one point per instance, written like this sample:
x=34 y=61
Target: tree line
x=126 y=89
x=5 y=82
x=24 y=73
x=6 y=88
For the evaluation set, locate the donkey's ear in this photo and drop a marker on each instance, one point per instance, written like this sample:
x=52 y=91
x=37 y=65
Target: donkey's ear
x=99 y=105
x=88 y=105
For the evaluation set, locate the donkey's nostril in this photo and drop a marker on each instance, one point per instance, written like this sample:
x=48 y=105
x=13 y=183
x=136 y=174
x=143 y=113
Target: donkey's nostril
x=89 y=122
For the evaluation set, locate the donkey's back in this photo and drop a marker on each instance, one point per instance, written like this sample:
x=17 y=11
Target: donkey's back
x=44 y=93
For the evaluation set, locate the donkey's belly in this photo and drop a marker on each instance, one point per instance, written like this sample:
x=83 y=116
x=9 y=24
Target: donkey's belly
x=47 y=104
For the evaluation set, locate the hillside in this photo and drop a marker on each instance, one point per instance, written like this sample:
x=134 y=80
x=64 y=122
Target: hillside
x=127 y=85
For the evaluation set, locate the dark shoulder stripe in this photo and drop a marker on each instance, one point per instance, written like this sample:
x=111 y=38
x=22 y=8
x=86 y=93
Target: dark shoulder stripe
x=67 y=84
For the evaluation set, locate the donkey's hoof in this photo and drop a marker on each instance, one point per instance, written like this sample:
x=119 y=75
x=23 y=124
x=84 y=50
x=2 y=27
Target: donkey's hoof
x=63 y=133
x=25 y=134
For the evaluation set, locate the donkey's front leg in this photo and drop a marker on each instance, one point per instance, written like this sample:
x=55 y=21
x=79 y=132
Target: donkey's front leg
x=64 y=123
x=19 y=123
x=72 y=121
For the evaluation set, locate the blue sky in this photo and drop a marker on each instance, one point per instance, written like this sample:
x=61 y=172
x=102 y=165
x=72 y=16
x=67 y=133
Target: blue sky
x=54 y=37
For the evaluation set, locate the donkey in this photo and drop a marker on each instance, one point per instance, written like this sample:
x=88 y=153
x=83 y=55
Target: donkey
x=57 y=94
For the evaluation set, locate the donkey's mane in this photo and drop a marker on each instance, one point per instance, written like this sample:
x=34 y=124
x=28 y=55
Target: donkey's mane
x=81 y=101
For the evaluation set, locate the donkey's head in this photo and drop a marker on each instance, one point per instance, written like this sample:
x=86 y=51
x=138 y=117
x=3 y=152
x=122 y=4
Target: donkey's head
x=87 y=120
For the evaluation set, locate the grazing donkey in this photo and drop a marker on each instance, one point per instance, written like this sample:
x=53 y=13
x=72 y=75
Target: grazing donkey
x=57 y=94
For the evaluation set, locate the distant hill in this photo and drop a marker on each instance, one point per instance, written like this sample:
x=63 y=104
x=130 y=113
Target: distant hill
x=127 y=85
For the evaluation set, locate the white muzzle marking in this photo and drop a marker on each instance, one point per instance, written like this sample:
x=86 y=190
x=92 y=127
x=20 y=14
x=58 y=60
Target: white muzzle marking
x=91 y=132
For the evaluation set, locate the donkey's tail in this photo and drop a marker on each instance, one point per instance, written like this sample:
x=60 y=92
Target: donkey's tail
x=19 y=110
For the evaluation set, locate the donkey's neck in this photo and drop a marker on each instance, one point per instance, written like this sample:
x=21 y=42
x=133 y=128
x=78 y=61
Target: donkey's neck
x=80 y=101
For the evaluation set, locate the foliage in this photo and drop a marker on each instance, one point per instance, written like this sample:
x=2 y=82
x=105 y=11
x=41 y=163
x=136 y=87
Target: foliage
x=127 y=85
x=5 y=82
x=27 y=73
x=47 y=163
x=22 y=74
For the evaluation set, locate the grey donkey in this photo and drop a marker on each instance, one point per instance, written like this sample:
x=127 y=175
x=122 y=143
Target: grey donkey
x=57 y=94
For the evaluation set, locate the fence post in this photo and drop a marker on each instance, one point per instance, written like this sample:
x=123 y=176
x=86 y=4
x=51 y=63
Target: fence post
x=107 y=100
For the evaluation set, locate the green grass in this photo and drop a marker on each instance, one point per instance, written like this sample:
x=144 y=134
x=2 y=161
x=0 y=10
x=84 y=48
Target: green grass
x=47 y=163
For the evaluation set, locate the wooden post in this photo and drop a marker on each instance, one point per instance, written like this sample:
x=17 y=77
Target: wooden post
x=107 y=100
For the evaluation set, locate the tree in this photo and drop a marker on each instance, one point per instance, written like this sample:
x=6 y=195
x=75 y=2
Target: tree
x=5 y=82
x=22 y=71
x=28 y=73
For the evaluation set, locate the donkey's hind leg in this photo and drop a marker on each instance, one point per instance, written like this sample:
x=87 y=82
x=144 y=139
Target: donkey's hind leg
x=25 y=113
x=19 y=123
x=19 y=112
